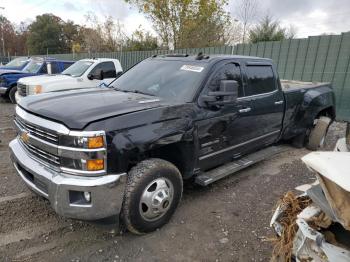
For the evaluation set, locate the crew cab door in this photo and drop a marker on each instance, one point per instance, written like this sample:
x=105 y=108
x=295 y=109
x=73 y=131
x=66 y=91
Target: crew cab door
x=223 y=131
x=108 y=71
x=266 y=103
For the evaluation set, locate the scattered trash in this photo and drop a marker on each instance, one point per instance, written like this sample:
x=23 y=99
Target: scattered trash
x=315 y=226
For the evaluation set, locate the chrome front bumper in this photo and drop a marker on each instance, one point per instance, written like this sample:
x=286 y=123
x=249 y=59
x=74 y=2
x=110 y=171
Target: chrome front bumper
x=63 y=190
x=3 y=90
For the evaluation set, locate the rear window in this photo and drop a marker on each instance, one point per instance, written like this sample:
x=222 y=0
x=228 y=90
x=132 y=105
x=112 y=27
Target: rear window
x=260 y=80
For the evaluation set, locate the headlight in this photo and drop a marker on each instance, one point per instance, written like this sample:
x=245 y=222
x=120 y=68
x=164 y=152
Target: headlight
x=83 y=152
x=88 y=140
x=38 y=89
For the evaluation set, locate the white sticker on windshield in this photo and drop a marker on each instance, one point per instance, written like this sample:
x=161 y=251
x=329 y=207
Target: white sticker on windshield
x=192 y=68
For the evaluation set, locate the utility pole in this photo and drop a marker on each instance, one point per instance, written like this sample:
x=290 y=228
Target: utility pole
x=2 y=35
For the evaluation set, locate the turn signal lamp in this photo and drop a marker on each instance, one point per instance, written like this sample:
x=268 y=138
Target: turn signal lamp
x=95 y=142
x=38 y=89
x=95 y=164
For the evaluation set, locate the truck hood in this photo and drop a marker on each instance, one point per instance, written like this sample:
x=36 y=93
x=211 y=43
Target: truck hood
x=77 y=108
x=48 y=79
x=9 y=71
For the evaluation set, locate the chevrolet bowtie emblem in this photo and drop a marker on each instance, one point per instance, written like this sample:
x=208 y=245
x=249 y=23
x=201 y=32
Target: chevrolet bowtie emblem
x=25 y=137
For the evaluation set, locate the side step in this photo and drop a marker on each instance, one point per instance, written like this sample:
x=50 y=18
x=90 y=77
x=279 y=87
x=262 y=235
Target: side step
x=213 y=175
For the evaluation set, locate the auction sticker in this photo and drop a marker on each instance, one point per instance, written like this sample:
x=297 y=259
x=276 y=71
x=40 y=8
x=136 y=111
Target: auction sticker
x=192 y=68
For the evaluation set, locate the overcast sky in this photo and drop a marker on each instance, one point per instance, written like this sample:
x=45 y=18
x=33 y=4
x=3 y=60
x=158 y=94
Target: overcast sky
x=310 y=17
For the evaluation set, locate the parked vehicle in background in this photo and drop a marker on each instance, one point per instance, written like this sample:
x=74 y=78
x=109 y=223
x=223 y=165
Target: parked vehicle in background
x=84 y=73
x=127 y=148
x=321 y=216
x=36 y=66
x=16 y=64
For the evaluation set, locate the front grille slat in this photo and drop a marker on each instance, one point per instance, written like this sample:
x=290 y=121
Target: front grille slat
x=22 y=89
x=34 y=149
x=38 y=132
x=47 y=157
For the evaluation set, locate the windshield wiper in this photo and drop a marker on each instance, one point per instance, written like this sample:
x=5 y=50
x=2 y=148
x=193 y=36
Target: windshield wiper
x=134 y=91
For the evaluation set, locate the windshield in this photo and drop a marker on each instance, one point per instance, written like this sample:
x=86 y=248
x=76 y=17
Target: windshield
x=168 y=79
x=17 y=62
x=33 y=66
x=78 y=68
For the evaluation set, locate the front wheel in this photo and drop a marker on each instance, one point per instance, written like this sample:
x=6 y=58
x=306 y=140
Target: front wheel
x=153 y=191
x=318 y=133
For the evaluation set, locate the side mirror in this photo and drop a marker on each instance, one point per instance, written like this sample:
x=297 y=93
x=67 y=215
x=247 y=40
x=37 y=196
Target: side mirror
x=227 y=94
x=98 y=75
x=118 y=74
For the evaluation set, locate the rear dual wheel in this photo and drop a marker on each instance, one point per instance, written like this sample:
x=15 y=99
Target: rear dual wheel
x=318 y=133
x=153 y=192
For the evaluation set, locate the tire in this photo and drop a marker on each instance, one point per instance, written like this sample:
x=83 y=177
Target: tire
x=152 y=183
x=12 y=94
x=318 y=133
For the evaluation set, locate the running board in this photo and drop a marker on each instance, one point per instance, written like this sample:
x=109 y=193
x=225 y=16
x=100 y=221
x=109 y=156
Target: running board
x=213 y=175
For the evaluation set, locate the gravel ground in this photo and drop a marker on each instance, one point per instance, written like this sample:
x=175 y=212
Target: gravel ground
x=226 y=221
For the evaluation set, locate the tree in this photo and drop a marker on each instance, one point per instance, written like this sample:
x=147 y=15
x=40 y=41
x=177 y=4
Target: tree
x=187 y=23
x=72 y=35
x=46 y=35
x=141 y=40
x=7 y=32
x=247 y=11
x=268 y=30
x=100 y=36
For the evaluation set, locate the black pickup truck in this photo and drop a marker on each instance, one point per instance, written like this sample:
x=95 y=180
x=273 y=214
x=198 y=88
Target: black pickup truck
x=126 y=149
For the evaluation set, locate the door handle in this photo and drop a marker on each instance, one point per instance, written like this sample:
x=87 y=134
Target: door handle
x=245 y=110
x=279 y=102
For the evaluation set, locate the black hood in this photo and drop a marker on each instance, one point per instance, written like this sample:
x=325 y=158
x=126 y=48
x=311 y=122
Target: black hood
x=76 y=109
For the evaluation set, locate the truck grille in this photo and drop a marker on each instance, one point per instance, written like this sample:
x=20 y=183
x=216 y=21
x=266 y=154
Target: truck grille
x=22 y=89
x=37 y=131
x=45 y=156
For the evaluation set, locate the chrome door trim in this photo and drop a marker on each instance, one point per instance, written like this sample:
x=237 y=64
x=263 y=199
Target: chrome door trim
x=235 y=146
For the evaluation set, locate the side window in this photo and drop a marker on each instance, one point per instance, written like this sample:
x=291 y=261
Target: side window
x=66 y=65
x=260 y=80
x=227 y=72
x=108 y=69
x=54 y=68
x=43 y=69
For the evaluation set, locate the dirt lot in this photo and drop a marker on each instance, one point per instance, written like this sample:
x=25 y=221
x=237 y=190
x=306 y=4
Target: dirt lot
x=228 y=221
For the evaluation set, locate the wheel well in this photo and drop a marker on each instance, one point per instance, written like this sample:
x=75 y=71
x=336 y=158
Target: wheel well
x=174 y=153
x=9 y=89
x=329 y=111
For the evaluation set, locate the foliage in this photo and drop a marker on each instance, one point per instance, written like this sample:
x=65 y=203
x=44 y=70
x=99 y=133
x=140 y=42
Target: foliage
x=46 y=35
x=14 y=40
x=187 y=23
x=246 y=11
x=141 y=40
x=268 y=30
x=103 y=36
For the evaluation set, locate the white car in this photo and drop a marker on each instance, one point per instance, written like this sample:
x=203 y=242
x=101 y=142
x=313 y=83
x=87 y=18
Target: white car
x=85 y=73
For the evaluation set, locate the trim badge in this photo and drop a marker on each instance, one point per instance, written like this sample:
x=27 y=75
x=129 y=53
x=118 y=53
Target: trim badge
x=25 y=137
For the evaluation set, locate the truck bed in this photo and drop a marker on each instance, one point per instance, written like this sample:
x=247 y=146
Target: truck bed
x=290 y=85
